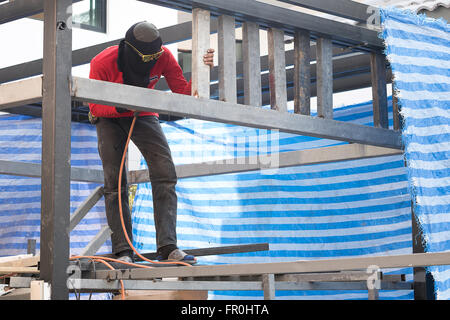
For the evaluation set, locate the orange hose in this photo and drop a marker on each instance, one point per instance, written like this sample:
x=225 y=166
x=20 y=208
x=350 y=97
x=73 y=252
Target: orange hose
x=120 y=205
x=122 y=287
x=104 y=259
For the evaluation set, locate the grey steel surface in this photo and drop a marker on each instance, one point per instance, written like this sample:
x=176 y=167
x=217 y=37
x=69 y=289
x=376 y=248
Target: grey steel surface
x=342 y=8
x=324 y=72
x=277 y=70
x=251 y=64
x=18 y=9
x=142 y=99
x=85 y=207
x=302 y=72
x=95 y=244
x=56 y=134
x=379 y=92
x=227 y=59
x=200 y=44
x=307 y=266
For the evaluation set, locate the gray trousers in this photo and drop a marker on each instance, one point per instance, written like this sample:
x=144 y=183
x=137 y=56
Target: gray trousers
x=149 y=138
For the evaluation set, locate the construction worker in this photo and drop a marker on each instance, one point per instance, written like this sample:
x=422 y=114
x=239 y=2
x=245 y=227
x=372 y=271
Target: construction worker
x=139 y=60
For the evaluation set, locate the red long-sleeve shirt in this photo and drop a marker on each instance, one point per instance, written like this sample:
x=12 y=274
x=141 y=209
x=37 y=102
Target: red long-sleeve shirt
x=104 y=67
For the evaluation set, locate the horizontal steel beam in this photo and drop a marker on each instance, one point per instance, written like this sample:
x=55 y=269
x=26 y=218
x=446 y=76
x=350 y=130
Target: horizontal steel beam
x=279 y=160
x=326 y=265
x=18 y=9
x=342 y=8
x=105 y=285
x=288 y=20
x=26 y=169
x=141 y=99
x=20 y=93
x=172 y=34
x=85 y=207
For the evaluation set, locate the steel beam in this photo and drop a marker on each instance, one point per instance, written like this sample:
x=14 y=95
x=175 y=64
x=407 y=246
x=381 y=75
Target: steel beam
x=142 y=99
x=20 y=93
x=100 y=285
x=34 y=170
x=342 y=8
x=227 y=59
x=324 y=71
x=286 y=159
x=277 y=70
x=379 y=91
x=289 y=20
x=326 y=265
x=172 y=34
x=56 y=134
x=281 y=160
x=302 y=72
x=96 y=243
x=18 y=9
x=84 y=208
x=251 y=64
x=200 y=44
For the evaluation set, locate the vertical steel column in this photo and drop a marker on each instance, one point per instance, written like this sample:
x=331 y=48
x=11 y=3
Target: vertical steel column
x=395 y=110
x=251 y=64
x=325 y=78
x=56 y=121
x=302 y=72
x=227 y=59
x=423 y=281
x=379 y=92
x=268 y=284
x=277 y=70
x=200 y=44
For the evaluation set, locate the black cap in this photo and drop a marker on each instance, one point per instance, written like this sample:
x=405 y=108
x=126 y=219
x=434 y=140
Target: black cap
x=145 y=37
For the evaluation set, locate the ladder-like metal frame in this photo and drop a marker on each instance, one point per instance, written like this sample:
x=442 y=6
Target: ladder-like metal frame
x=338 y=46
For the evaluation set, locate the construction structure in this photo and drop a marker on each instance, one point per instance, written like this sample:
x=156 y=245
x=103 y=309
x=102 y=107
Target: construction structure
x=348 y=56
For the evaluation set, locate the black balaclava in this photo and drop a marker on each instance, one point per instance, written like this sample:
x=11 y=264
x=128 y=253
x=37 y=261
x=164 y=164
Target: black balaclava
x=145 y=37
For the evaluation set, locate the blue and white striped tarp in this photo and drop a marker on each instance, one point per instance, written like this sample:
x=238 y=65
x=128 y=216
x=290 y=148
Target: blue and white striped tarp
x=419 y=51
x=344 y=209
x=20 y=197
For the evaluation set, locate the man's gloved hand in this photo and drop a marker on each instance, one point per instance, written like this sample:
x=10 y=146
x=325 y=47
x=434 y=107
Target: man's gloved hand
x=121 y=110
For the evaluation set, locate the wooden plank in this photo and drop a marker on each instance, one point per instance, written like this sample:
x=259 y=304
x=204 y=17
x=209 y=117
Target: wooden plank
x=379 y=92
x=227 y=59
x=324 y=78
x=302 y=72
x=8 y=270
x=21 y=92
x=251 y=64
x=200 y=44
x=277 y=70
x=39 y=290
x=25 y=260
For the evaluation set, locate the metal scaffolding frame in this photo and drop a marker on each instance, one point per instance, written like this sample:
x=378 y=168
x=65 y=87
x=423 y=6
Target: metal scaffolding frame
x=348 y=56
